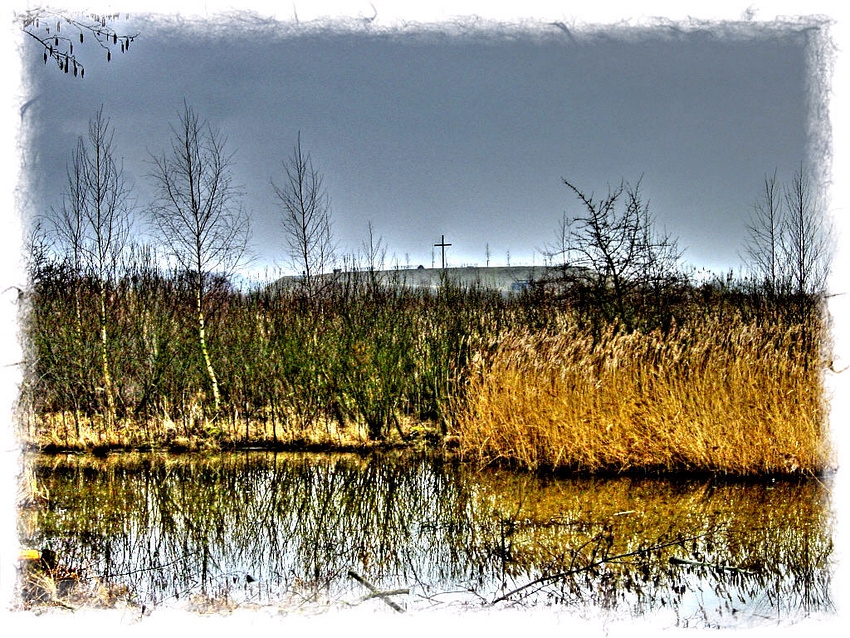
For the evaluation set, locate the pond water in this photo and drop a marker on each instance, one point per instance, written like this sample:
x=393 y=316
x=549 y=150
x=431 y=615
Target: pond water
x=288 y=530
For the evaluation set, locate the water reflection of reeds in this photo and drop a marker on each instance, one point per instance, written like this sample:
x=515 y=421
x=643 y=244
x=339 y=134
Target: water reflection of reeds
x=286 y=530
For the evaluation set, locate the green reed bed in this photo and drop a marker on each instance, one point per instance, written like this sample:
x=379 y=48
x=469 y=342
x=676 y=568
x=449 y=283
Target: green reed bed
x=360 y=361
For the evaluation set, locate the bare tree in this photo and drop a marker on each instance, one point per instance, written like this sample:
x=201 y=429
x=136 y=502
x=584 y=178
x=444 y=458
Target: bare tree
x=46 y=27
x=197 y=213
x=93 y=227
x=617 y=241
x=107 y=217
x=306 y=217
x=374 y=250
x=559 y=252
x=607 y=242
x=764 y=242
x=68 y=226
x=806 y=237
x=66 y=231
x=788 y=241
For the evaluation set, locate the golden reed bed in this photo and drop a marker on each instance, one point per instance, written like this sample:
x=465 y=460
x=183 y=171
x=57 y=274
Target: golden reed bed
x=722 y=395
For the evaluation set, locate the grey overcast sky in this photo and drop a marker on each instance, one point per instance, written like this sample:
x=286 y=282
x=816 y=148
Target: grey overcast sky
x=463 y=128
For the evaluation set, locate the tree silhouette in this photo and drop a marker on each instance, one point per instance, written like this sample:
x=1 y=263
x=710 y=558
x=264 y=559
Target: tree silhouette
x=764 y=244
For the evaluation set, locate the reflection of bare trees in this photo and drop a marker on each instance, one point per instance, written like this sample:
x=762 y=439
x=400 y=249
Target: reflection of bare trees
x=288 y=528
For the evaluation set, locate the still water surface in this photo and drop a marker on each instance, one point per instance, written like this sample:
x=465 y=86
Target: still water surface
x=259 y=528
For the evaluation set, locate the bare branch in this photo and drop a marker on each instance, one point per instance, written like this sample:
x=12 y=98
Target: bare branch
x=46 y=27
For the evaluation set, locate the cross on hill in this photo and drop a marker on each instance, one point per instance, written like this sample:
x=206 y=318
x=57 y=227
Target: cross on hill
x=442 y=246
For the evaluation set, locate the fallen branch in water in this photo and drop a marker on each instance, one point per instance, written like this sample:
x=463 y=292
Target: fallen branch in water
x=608 y=559
x=376 y=593
x=379 y=594
x=694 y=563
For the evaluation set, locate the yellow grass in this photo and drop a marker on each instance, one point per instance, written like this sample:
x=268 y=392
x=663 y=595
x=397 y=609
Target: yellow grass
x=80 y=432
x=720 y=396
